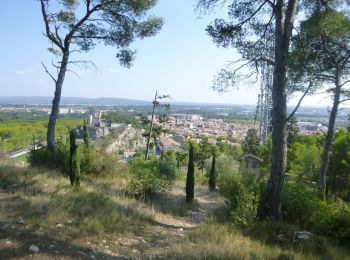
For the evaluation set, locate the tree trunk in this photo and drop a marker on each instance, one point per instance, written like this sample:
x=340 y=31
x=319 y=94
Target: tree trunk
x=56 y=103
x=151 y=128
x=322 y=177
x=283 y=31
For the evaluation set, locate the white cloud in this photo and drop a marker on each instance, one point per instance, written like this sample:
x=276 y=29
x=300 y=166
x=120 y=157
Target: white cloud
x=114 y=71
x=23 y=72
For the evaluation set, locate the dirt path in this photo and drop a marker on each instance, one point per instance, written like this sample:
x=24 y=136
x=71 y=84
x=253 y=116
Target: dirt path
x=184 y=218
x=174 y=219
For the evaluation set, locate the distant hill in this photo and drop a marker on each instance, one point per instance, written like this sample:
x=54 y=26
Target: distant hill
x=39 y=100
x=103 y=101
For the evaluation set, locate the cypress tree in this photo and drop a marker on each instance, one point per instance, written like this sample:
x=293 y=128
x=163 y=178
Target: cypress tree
x=190 y=177
x=74 y=160
x=86 y=136
x=87 y=149
x=212 y=178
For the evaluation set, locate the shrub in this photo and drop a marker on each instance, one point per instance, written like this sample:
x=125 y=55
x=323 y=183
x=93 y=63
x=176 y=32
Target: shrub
x=303 y=207
x=338 y=225
x=43 y=158
x=102 y=164
x=149 y=177
x=243 y=193
x=98 y=163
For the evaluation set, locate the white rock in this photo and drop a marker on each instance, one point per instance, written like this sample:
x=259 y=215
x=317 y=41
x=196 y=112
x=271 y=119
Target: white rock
x=21 y=221
x=302 y=235
x=108 y=252
x=34 y=249
x=59 y=225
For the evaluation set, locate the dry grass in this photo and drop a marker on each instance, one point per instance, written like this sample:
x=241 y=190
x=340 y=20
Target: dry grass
x=99 y=210
x=212 y=240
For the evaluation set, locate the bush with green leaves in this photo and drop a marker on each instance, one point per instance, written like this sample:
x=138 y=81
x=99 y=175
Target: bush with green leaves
x=338 y=225
x=149 y=177
x=242 y=189
x=43 y=158
x=302 y=206
x=98 y=163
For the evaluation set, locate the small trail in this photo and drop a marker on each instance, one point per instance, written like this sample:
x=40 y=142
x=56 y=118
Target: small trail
x=167 y=233
x=173 y=219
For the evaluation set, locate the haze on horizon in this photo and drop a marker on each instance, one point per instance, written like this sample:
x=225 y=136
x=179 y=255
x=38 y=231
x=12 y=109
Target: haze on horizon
x=180 y=61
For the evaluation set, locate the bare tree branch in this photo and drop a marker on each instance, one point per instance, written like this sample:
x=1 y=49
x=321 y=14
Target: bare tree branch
x=47 y=71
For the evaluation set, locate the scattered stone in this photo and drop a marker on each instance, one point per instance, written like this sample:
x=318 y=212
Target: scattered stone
x=280 y=237
x=88 y=243
x=302 y=235
x=81 y=253
x=52 y=246
x=103 y=241
x=108 y=252
x=135 y=251
x=180 y=230
x=107 y=247
x=4 y=227
x=59 y=225
x=8 y=242
x=21 y=221
x=34 y=249
x=93 y=257
x=144 y=241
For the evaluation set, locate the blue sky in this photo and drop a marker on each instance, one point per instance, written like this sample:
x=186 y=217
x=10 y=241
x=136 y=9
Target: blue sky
x=180 y=61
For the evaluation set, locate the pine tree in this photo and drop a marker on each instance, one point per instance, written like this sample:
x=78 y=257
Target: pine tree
x=212 y=177
x=190 y=177
x=74 y=160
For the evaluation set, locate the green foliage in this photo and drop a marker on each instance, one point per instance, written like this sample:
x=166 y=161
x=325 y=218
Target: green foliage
x=251 y=142
x=338 y=225
x=181 y=157
x=212 y=175
x=86 y=150
x=19 y=133
x=74 y=160
x=234 y=151
x=242 y=190
x=43 y=158
x=202 y=152
x=339 y=163
x=190 y=176
x=127 y=21
x=305 y=160
x=149 y=177
x=303 y=207
x=122 y=118
x=101 y=164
